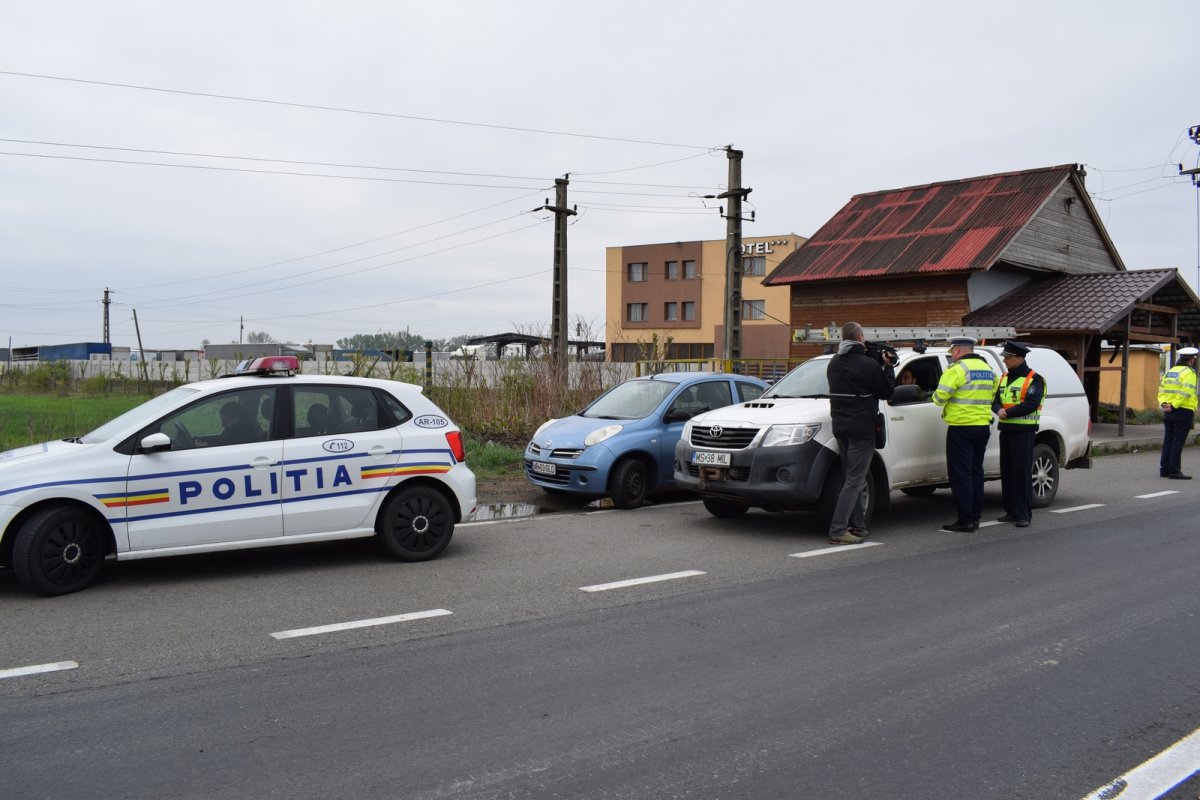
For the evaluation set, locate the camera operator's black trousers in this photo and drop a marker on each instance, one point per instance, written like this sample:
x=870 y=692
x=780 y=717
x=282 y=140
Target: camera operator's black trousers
x=1016 y=469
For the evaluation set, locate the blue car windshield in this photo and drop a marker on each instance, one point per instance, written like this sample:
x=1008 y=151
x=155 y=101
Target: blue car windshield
x=634 y=399
x=807 y=380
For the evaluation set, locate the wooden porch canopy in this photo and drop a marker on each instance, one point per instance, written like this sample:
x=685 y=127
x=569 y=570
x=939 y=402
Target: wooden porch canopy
x=1152 y=306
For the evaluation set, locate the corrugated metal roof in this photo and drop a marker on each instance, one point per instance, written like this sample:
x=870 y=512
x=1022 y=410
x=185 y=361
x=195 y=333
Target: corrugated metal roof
x=954 y=226
x=1091 y=303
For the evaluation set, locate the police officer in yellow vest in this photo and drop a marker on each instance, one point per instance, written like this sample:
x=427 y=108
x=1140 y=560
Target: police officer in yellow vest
x=965 y=392
x=1018 y=404
x=1177 y=398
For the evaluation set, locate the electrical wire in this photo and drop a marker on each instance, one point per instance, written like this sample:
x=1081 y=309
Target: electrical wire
x=316 y=107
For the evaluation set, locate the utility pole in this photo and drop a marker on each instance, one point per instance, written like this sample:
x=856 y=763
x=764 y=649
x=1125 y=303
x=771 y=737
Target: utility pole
x=106 y=339
x=241 y=328
x=141 y=352
x=733 y=257
x=559 y=333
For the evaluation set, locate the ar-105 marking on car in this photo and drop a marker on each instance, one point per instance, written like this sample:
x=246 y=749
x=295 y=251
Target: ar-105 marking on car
x=256 y=459
x=778 y=452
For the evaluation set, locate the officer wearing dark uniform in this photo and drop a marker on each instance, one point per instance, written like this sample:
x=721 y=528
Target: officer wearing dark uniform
x=1018 y=404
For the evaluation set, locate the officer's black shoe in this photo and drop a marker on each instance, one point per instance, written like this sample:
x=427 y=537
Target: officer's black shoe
x=1179 y=476
x=1007 y=518
x=960 y=527
x=1022 y=523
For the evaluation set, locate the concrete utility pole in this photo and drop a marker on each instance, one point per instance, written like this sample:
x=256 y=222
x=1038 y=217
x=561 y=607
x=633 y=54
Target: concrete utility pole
x=559 y=339
x=141 y=352
x=106 y=302
x=733 y=257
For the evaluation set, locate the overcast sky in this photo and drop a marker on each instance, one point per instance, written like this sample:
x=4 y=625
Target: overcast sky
x=444 y=124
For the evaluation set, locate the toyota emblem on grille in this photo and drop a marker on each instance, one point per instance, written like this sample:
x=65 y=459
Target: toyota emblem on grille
x=715 y=431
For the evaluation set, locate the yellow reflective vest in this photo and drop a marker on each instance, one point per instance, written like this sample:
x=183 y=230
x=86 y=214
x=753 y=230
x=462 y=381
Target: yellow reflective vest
x=1012 y=393
x=1178 y=387
x=966 y=390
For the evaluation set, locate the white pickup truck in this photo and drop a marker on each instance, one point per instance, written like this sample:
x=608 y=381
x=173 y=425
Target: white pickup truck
x=778 y=452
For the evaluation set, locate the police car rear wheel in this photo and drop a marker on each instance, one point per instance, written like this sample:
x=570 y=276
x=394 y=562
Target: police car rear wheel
x=1045 y=475
x=417 y=524
x=58 y=551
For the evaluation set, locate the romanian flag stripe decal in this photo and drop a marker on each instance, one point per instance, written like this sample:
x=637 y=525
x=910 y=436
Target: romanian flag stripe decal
x=404 y=469
x=123 y=500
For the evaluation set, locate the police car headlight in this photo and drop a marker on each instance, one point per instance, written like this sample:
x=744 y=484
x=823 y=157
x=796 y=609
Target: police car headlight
x=784 y=435
x=599 y=435
x=543 y=427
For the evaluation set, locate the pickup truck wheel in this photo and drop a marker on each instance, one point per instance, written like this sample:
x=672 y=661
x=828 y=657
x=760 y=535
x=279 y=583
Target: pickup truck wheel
x=725 y=509
x=629 y=483
x=919 y=491
x=58 y=551
x=829 y=497
x=1045 y=475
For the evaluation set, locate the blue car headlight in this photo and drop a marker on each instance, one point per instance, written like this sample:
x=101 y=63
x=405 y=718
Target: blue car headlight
x=784 y=435
x=600 y=434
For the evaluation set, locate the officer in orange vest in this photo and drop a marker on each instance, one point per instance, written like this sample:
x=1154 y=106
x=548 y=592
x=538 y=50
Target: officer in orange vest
x=1018 y=404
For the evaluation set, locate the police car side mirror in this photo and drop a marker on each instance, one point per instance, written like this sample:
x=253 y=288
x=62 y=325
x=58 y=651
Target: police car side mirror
x=155 y=442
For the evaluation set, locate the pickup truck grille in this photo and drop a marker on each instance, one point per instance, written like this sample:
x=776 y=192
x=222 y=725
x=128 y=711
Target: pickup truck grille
x=717 y=438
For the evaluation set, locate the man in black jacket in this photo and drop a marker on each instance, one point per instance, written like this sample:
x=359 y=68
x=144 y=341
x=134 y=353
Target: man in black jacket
x=857 y=382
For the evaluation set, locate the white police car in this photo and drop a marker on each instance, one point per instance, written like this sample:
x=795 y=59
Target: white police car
x=264 y=457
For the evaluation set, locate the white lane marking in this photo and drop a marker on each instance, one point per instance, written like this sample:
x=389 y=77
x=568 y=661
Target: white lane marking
x=990 y=523
x=1156 y=494
x=841 y=548
x=37 y=669
x=1156 y=776
x=1076 y=508
x=603 y=587
x=361 y=623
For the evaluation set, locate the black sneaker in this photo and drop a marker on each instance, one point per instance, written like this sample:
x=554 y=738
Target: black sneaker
x=1007 y=518
x=1179 y=476
x=960 y=527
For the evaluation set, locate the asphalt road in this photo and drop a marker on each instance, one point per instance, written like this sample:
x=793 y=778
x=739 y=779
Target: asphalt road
x=1011 y=663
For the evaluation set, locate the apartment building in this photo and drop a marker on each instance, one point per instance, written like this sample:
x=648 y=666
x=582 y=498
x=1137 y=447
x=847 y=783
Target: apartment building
x=668 y=300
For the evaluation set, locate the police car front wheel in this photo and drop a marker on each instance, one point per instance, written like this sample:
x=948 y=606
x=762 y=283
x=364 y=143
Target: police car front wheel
x=58 y=551
x=417 y=524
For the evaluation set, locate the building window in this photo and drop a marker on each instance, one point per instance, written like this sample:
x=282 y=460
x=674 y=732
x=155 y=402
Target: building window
x=754 y=265
x=637 y=272
x=672 y=270
x=636 y=312
x=671 y=312
x=689 y=270
x=689 y=310
x=754 y=309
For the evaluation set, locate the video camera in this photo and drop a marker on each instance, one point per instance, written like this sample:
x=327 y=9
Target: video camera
x=883 y=352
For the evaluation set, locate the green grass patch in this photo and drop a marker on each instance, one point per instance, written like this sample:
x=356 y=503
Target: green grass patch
x=493 y=460
x=29 y=419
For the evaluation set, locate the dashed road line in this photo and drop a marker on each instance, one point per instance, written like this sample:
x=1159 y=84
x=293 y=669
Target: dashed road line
x=37 y=669
x=841 y=548
x=361 y=623
x=1157 y=776
x=603 y=587
x=1076 y=508
x=1156 y=494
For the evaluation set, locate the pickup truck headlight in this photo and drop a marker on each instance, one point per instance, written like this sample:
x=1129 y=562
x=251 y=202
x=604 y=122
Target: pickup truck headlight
x=600 y=434
x=784 y=435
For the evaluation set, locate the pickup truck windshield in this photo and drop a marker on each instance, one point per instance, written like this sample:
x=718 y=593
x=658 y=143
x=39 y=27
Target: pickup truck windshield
x=806 y=380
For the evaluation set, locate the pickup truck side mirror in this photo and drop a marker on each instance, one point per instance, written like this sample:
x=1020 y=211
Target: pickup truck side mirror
x=907 y=394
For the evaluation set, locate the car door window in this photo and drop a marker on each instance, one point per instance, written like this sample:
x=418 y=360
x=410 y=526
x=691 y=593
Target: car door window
x=749 y=391
x=228 y=418
x=922 y=372
x=335 y=410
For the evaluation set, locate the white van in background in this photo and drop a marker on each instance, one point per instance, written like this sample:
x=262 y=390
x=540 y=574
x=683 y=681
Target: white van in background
x=778 y=452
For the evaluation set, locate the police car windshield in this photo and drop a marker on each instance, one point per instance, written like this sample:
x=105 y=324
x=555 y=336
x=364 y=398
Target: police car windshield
x=136 y=417
x=806 y=380
x=634 y=399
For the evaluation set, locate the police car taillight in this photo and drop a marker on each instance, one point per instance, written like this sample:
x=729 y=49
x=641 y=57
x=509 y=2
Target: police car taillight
x=454 y=439
x=271 y=365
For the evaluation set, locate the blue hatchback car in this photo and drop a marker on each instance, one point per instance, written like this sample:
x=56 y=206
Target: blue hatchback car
x=623 y=444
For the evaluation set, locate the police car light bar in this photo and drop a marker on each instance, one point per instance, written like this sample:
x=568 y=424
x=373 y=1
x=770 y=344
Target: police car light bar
x=272 y=365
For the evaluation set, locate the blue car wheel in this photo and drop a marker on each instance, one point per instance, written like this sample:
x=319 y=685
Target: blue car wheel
x=629 y=483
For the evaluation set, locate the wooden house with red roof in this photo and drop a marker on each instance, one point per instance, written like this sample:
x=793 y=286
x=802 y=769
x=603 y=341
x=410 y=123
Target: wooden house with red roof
x=1020 y=249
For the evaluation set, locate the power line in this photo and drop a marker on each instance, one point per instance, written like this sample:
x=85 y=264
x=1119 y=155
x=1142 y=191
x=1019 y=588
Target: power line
x=340 y=110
